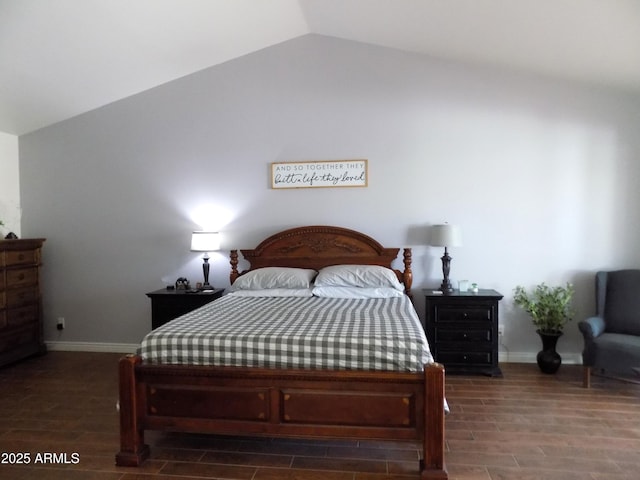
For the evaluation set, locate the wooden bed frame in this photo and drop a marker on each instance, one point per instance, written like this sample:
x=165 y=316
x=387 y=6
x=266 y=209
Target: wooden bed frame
x=289 y=403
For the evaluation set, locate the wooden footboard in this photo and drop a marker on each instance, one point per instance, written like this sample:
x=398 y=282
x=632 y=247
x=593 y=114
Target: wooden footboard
x=290 y=403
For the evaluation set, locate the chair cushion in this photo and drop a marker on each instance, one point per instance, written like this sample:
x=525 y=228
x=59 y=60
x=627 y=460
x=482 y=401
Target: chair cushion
x=613 y=352
x=622 y=308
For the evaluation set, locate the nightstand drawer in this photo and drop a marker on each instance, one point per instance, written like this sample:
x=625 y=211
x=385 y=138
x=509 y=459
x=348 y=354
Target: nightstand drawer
x=463 y=335
x=445 y=313
x=169 y=304
x=465 y=358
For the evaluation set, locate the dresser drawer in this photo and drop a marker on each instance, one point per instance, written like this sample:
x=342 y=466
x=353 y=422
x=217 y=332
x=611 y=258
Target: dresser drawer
x=22 y=276
x=3 y=300
x=465 y=358
x=18 y=338
x=3 y=319
x=21 y=297
x=463 y=335
x=462 y=313
x=2 y=285
x=22 y=316
x=21 y=257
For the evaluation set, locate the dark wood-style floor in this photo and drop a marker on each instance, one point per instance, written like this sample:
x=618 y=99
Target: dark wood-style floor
x=526 y=425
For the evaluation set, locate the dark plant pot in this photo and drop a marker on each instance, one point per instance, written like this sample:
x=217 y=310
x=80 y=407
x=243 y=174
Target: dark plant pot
x=548 y=358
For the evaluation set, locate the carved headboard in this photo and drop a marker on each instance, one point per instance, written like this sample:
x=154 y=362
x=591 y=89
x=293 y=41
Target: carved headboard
x=319 y=246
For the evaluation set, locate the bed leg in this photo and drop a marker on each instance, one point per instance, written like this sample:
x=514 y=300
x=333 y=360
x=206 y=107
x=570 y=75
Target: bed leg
x=133 y=450
x=432 y=466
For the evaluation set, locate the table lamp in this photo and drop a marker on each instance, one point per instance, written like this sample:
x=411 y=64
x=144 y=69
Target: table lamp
x=446 y=236
x=205 y=242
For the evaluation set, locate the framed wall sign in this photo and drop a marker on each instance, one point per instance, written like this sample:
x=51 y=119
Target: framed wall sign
x=320 y=174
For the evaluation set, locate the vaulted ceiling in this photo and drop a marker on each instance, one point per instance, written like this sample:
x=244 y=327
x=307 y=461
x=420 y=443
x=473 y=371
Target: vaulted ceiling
x=60 y=58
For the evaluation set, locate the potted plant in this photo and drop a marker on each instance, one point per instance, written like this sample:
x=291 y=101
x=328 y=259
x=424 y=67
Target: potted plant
x=550 y=309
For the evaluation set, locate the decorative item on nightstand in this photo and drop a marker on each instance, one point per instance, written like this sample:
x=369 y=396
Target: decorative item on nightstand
x=205 y=242
x=446 y=236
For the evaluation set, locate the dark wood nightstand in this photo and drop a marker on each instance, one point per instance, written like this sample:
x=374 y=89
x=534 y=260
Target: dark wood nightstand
x=169 y=304
x=462 y=328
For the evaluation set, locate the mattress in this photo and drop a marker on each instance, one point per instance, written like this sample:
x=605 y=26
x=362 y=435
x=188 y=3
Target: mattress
x=294 y=333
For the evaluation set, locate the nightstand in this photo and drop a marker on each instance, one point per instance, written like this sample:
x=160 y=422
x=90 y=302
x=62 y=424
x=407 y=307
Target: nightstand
x=462 y=328
x=169 y=304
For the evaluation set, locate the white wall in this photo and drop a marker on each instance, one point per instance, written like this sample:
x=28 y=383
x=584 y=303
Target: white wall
x=542 y=176
x=9 y=184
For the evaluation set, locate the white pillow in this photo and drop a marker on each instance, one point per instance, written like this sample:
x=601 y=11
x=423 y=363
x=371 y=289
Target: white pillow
x=356 y=292
x=274 y=277
x=274 y=292
x=363 y=276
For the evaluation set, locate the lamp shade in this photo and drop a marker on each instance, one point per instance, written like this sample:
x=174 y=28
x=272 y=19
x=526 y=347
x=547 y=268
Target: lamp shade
x=205 y=241
x=446 y=236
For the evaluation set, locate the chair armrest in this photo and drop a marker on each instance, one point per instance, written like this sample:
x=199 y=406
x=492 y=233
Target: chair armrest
x=591 y=327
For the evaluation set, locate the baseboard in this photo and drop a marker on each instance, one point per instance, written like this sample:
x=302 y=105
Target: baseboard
x=529 y=357
x=91 y=347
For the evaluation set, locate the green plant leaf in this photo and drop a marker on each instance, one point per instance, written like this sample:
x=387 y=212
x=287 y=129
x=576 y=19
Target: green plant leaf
x=550 y=308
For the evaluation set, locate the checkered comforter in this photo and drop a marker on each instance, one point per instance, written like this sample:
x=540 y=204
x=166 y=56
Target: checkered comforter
x=307 y=333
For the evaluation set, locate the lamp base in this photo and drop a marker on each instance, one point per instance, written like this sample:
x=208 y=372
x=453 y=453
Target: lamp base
x=446 y=288
x=205 y=272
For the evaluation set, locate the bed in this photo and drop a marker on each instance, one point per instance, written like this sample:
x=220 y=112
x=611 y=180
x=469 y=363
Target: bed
x=287 y=399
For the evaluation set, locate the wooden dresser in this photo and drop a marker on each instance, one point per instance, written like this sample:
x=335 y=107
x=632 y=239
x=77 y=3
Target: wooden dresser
x=20 y=300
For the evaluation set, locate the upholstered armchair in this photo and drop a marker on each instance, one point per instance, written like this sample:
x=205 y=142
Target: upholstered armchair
x=612 y=336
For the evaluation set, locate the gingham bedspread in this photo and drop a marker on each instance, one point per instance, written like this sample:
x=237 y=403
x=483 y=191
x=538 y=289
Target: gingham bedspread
x=307 y=333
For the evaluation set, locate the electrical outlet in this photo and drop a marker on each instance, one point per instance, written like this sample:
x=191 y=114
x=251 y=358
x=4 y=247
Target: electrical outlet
x=500 y=331
x=60 y=324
